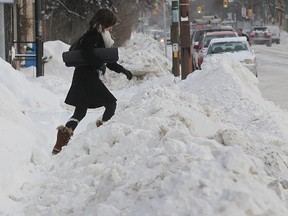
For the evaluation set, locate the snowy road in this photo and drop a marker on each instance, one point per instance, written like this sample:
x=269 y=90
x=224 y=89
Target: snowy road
x=273 y=73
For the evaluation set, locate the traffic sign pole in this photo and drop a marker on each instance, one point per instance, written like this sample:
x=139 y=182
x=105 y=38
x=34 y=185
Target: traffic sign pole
x=175 y=39
x=186 y=57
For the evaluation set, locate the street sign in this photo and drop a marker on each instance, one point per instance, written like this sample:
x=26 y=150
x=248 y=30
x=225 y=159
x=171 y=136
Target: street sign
x=175 y=47
x=175 y=14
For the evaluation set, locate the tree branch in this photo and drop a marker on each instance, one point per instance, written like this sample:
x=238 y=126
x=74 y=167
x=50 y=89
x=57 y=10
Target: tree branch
x=69 y=11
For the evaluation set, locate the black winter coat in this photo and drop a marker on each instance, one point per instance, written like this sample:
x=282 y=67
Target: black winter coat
x=87 y=90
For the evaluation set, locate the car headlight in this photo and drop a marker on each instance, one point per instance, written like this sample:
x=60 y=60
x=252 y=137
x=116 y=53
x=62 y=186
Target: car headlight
x=248 y=61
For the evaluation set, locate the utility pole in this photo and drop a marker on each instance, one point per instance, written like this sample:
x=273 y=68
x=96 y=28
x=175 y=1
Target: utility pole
x=38 y=39
x=186 y=59
x=175 y=38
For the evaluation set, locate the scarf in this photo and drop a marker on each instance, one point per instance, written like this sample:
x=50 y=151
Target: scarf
x=108 y=41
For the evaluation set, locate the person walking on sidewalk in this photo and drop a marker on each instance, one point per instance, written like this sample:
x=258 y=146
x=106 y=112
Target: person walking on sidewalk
x=87 y=90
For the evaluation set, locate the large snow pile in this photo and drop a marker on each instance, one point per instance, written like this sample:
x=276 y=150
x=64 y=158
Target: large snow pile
x=209 y=145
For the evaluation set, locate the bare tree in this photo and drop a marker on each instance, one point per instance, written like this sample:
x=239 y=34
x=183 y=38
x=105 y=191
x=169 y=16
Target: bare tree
x=66 y=20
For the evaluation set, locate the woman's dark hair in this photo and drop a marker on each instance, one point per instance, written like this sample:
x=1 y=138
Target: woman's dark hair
x=103 y=17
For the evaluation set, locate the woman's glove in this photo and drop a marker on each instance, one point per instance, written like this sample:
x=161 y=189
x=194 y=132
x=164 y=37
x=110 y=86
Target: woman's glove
x=128 y=74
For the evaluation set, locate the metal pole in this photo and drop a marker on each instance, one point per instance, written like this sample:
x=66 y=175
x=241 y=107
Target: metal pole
x=38 y=39
x=2 y=32
x=186 y=60
x=175 y=38
x=252 y=8
x=286 y=15
x=165 y=28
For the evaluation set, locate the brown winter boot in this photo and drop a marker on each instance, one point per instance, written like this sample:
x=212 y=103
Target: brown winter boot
x=99 y=123
x=63 y=136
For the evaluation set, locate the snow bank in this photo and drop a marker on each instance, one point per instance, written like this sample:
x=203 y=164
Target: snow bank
x=209 y=145
x=32 y=96
x=144 y=57
x=19 y=136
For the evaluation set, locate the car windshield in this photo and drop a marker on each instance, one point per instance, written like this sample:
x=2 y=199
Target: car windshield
x=208 y=38
x=221 y=47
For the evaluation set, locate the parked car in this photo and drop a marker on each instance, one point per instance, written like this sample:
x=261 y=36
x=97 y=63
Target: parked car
x=238 y=49
x=195 y=37
x=275 y=30
x=260 y=35
x=202 y=46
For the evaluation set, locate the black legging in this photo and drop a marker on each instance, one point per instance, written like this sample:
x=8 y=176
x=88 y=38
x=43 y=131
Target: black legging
x=109 y=111
x=80 y=113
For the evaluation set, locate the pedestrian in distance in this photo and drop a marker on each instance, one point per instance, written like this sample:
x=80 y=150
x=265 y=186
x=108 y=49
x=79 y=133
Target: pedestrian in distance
x=87 y=90
x=241 y=34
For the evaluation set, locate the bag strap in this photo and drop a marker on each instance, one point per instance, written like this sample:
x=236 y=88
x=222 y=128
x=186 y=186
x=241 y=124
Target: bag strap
x=77 y=44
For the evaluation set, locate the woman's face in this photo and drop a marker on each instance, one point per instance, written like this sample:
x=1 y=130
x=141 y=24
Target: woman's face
x=110 y=28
